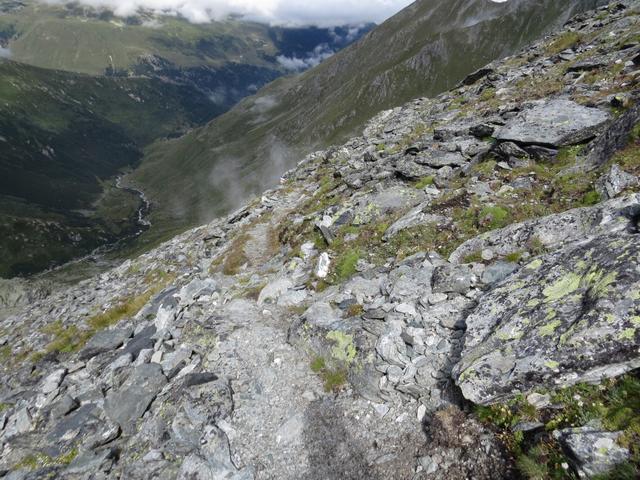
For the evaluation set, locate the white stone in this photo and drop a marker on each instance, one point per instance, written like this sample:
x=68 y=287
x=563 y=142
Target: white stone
x=538 y=400
x=407 y=309
x=322 y=268
x=53 y=381
x=422 y=412
x=381 y=409
x=436 y=298
x=487 y=254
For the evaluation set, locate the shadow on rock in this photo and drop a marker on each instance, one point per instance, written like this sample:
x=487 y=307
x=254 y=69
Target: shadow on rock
x=331 y=451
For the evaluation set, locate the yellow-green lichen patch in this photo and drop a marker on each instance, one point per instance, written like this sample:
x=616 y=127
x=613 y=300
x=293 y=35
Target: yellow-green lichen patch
x=562 y=287
x=468 y=373
x=343 y=350
x=551 y=314
x=511 y=333
x=552 y=364
x=549 y=328
x=635 y=295
x=628 y=334
x=534 y=302
x=516 y=286
x=635 y=321
x=536 y=264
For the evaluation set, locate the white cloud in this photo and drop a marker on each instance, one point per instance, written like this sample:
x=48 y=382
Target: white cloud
x=4 y=52
x=323 y=13
x=313 y=59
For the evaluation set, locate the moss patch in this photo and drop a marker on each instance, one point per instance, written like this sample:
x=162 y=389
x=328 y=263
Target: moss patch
x=334 y=378
x=346 y=265
x=41 y=460
x=425 y=182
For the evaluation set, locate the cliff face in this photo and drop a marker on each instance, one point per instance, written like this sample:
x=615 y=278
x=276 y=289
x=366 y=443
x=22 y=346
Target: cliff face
x=454 y=293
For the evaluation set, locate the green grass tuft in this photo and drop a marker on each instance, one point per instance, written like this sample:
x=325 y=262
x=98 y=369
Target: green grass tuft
x=563 y=42
x=333 y=377
x=513 y=257
x=495 y=217
x=474 y=257
x=346 y=265
x=425 y=182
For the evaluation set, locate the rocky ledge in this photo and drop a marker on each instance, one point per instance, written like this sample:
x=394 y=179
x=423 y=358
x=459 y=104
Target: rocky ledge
x=454 y=294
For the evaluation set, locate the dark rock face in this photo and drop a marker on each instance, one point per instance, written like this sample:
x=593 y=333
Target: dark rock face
x=105 y=341
x=477 y=75
x=568 y=317
x=614 y=138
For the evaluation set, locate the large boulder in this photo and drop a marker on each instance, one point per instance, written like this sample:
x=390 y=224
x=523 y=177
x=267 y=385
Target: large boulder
x=553 y=123
x=571 y=316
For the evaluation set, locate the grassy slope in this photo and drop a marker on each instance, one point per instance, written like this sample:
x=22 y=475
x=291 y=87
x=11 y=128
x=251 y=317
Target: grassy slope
x=425 y=49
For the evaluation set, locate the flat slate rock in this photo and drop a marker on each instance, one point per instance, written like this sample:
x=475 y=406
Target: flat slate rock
x=129 y=403
x=143 y=340
x=553 y=123
x=593 y=451
x=105 y=341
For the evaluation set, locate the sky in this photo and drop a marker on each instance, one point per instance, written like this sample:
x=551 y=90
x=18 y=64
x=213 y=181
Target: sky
x=322 y=13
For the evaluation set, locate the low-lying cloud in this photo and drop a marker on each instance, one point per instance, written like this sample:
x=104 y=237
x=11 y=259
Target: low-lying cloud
x=5 y=52
x=312 y=59
x=322 y=13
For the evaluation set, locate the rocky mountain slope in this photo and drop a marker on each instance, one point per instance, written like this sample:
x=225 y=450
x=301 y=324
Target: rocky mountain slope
x=422 y=51
x=452 y=294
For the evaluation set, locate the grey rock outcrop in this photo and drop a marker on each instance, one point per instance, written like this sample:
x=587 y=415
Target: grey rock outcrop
x=568 y=317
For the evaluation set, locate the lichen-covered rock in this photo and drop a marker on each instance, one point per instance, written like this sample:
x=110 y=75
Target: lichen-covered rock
x=614 y=182
x=571 y=316
x=593 y=450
